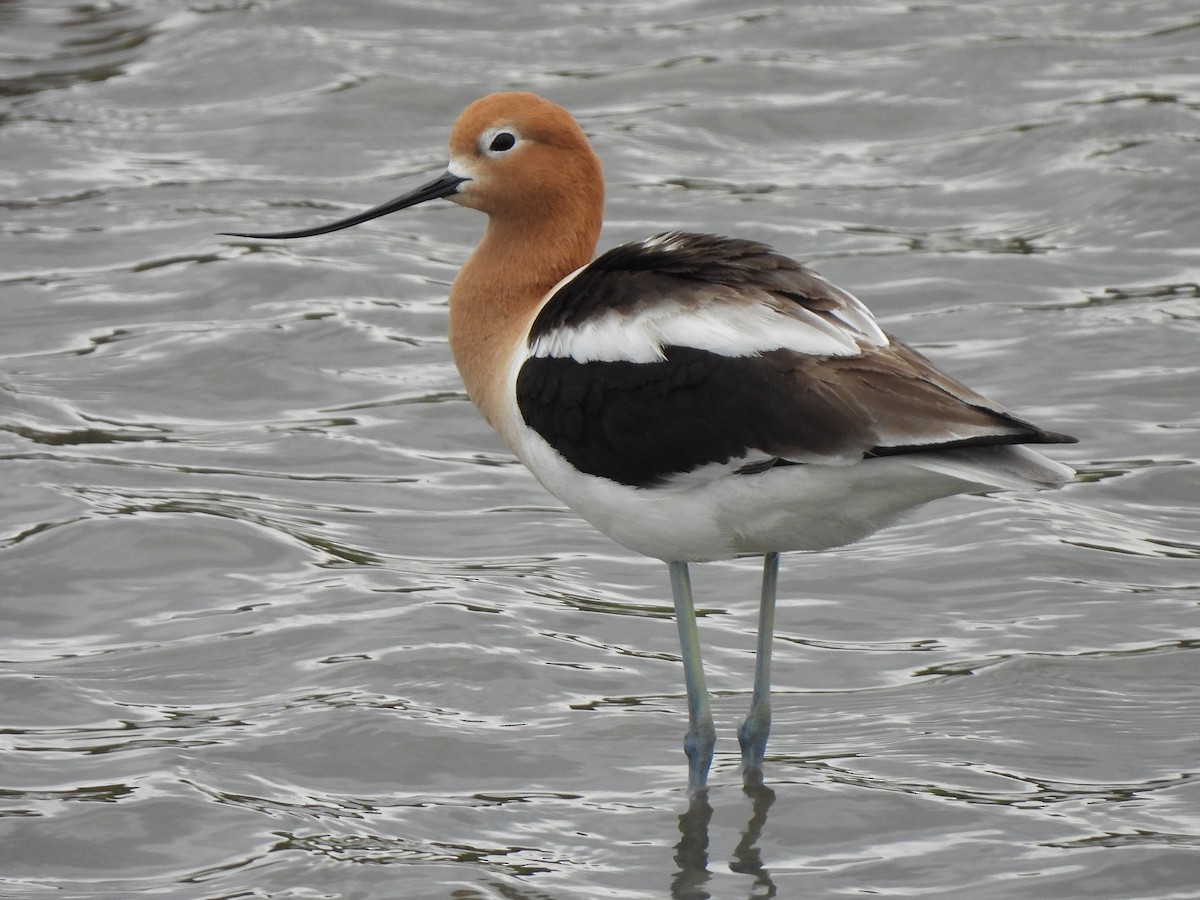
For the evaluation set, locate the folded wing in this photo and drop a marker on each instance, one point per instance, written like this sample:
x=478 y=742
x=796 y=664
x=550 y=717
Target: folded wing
x=665 y=358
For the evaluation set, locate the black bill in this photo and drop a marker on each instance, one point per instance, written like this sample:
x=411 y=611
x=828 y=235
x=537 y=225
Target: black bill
x=443 y=186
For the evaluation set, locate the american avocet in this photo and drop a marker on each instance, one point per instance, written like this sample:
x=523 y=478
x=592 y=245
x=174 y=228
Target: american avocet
x=694 y=397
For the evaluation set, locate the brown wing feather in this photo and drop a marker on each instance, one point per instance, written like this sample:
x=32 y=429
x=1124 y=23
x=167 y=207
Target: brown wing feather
x=909 y=405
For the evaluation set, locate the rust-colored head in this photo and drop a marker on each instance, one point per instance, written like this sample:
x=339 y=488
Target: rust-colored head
x=524 y=158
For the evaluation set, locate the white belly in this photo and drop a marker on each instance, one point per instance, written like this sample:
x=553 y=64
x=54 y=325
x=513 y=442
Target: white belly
x=802 y=507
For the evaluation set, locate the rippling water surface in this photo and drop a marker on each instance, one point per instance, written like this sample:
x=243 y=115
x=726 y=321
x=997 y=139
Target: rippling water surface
x=281 y=617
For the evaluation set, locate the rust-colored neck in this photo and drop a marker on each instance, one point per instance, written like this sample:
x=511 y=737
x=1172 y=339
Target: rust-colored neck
x=501 y=286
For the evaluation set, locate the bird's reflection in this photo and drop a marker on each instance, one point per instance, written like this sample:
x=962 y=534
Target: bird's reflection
x=691 y=853
x=747 y=857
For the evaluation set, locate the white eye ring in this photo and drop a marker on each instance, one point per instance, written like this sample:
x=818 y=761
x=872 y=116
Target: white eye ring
x=498 y=141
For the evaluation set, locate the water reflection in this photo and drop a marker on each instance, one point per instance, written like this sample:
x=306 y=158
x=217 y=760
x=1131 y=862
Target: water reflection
x=691 y=853
x=747 y=857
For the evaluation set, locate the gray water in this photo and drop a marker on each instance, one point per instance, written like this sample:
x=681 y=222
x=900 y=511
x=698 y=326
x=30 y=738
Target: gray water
x=281 y=617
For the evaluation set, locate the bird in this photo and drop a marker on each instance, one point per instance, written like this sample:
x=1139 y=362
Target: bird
x=694 y=397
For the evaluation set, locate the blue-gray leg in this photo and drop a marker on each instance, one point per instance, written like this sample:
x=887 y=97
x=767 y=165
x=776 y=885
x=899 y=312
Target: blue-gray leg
x=753 y=733
x=701 y=736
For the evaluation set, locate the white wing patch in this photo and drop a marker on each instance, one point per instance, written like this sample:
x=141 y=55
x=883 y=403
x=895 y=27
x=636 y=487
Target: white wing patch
x=745 y=326
x=854 y=313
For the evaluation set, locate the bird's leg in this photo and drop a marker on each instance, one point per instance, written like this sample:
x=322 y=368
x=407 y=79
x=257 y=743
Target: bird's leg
x=701 y=736
x=752 y=734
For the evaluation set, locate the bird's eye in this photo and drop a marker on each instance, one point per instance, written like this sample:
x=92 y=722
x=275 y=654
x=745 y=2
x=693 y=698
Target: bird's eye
x=500 y=142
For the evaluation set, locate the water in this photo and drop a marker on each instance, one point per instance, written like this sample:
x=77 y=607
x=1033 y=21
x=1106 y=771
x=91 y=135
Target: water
x=282 y=618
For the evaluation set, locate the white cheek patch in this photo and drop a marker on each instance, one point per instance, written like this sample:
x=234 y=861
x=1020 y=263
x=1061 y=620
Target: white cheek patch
x=460 y=168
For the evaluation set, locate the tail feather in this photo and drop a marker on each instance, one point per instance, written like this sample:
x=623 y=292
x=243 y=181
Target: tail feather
x=1013 y=466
